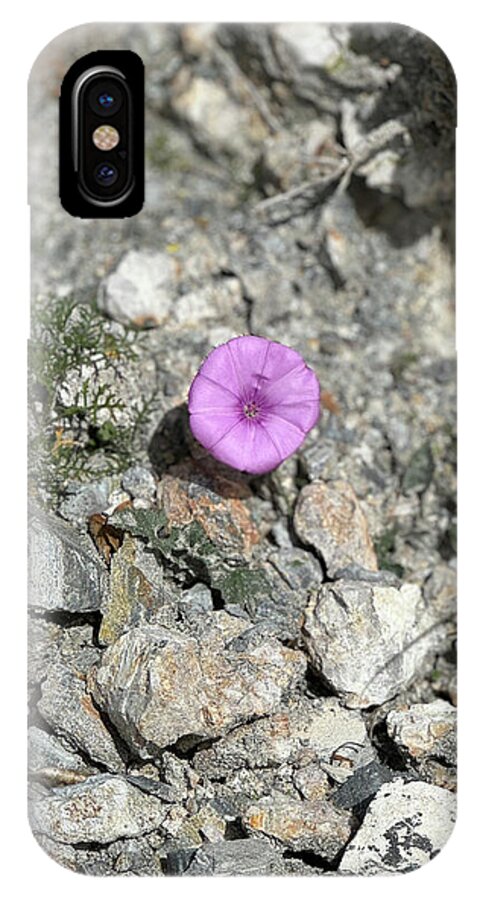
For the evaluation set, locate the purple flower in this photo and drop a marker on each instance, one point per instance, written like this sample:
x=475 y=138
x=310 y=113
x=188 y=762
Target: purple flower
x=252 y=402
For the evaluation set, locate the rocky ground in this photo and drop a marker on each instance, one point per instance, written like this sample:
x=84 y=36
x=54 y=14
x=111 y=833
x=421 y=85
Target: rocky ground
x=233 y=675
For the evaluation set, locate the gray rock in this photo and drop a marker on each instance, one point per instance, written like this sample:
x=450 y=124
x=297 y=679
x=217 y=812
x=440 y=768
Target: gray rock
x=405 y=826
x=49 y=644
x=312 y=782
x=329 y=518
x=158 y=686
x=102 y=809
x=141 y=290
x=425 y=730
x=49 y=760
x=288 y=575
x=219 y=122
x=246 y=856
x=139 y=483
x=68 y=708
x=84 y=500
x=369 y=642
x=365 y=782
x=196 y=601
x=312 y=826
x=65 y=572
x=126 y=856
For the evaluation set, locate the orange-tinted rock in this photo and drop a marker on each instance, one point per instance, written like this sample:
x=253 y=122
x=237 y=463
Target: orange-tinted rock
x=329 y=518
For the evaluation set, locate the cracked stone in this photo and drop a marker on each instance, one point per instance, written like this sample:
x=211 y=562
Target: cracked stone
x=313 y=826
x=329 y=518
x=367 y=641
x=138 y=592
x=158 y=686
x=215 y=504
x=405 y=826
x=101 y=809
x=203 y=524
x=68 y=708
x=245 y=856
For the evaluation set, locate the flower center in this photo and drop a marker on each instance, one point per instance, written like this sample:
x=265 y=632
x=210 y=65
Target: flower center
x=250 y=410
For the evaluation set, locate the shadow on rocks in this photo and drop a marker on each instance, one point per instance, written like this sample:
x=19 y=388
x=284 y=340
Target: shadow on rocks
x=174 y=450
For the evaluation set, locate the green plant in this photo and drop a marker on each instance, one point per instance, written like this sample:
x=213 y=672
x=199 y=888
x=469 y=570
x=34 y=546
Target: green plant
x=85 y=438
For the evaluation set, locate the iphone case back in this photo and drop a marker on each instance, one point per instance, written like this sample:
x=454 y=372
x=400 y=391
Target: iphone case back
x=236 y=672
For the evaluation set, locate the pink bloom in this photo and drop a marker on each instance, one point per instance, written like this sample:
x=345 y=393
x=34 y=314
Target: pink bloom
x=252 y=402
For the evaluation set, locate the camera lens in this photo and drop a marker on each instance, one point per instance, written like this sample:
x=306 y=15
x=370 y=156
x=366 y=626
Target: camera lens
x=105 y=97
x=106 y=100
x=106 y=174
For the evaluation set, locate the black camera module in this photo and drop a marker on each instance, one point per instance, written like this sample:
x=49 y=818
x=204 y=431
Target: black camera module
x=102 y=135
x=106 y=174
x=105 y=98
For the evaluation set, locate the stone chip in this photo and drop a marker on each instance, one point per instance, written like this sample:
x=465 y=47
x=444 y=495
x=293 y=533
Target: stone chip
x=425 y=730
x=68 y=708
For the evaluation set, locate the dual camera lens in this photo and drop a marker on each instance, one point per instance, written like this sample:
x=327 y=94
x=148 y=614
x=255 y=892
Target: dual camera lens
x=102 y=145
x=105 y=99
x=104 y=103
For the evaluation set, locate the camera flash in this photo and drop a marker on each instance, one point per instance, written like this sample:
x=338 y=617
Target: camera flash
x=105 y=137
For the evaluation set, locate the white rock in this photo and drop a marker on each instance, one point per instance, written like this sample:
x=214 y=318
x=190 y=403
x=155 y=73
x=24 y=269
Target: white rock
x=209 y=109
x=312 y=44
x=65 y=573
x=302 y=731
x=405 y=826
x=369 y=641
x=140 y=290
x=315 y=825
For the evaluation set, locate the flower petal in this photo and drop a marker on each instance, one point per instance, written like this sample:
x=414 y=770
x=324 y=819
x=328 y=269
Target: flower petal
x=210 y=429
x=296 y=397
x=222 y=368
x=206 y=394
x=248 y=447
x=286 y=436
x=248 y=355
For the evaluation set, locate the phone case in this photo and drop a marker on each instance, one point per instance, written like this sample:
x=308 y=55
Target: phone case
x=242 y=638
